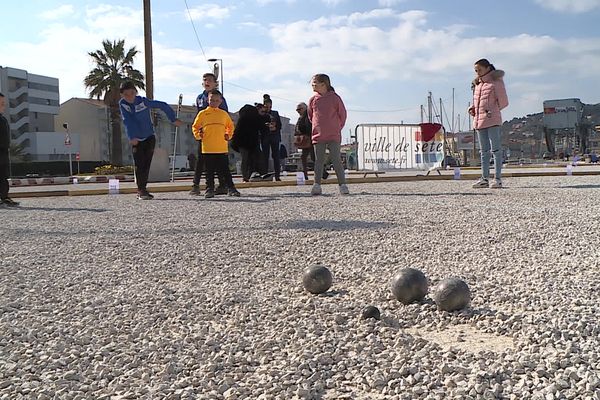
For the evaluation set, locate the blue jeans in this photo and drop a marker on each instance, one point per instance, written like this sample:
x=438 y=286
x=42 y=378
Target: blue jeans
x=490 y=139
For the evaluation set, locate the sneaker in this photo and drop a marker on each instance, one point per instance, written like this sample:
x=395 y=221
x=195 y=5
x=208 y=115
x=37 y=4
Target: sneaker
x=195 y=190
x=9 y=202
x=209 y=194
x=221 y=190
x=344 y=189
x=277 y=179
x=325 y=174
x=233 y=192
x=316 y=190
x=143 y=195
x=481 y=183
x=497 y=184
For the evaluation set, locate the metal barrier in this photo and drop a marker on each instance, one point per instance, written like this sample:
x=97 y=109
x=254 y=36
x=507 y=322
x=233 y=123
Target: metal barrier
x=399 y=146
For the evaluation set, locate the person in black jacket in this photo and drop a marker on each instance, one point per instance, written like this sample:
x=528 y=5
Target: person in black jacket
x=304 y=128
x=4 y=157
x=272 y=141
x=246 y=140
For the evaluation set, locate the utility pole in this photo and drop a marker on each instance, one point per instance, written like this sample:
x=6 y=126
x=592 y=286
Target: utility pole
x=148 y=50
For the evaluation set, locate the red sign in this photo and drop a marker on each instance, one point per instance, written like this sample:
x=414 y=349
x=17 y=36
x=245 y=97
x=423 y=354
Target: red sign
x=67 y=140
x=77 y=156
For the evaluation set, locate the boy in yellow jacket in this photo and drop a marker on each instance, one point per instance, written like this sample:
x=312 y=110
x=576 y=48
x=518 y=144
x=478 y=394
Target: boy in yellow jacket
x=215 y=128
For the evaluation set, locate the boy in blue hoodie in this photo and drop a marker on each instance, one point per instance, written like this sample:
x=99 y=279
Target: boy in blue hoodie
x=135 y=111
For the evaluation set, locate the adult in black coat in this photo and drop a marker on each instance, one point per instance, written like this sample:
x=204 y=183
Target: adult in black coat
x=246 y=140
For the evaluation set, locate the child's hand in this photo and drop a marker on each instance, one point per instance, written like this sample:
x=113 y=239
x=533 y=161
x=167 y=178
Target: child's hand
x=227 y=137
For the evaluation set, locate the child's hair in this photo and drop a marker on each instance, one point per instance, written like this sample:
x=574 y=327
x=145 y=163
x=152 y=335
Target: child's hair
x=259 y=106
x=485 y=64
x=215 y=92
x=209 y=75
x=324 y=78
x=267 y=99
x=126 y=86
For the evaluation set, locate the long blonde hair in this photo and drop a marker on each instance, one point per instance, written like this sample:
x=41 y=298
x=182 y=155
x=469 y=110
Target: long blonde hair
x=324 y=78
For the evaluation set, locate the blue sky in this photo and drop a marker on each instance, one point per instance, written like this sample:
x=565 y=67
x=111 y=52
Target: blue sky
x=383 y=55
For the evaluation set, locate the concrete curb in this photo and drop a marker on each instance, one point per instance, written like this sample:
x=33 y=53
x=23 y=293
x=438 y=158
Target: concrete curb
x=64 y=180
x=243 y=185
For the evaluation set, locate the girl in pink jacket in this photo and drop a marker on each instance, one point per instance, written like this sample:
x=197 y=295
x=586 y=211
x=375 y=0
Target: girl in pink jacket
x=327 y=114
x=489 y=97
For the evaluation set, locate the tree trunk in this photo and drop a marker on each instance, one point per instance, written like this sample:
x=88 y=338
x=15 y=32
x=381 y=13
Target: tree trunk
x=116 y=151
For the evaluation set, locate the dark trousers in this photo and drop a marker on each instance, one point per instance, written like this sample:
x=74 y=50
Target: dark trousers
x=142 y=158
x=250 y=162
x=4 y=173
x=218 y=163
x=271 y=143
x=200 y=167
x=305 y=153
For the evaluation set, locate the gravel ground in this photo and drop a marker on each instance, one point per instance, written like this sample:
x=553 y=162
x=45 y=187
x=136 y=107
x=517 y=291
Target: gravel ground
x=107 y=297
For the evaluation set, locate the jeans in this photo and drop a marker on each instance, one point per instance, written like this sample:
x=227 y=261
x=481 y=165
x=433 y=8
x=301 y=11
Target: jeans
x=271 y=143
x=142 y=158
x=305 y=153
x=336 y=159
x=218 y=163
x=490 y=139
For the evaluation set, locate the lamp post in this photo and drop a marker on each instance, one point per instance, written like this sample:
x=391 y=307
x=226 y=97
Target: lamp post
x=220 y=69
x=68 y=145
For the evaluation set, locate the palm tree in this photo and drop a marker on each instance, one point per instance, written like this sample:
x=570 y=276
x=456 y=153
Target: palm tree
x=17 y=152
x=113 y=66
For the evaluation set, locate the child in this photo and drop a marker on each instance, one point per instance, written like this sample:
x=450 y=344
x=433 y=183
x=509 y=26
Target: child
x=209 y=83
x=135 y=111
x=327 y=114
x=271 y=142
x=214 y=128
x=489 y=97
x=4 y=151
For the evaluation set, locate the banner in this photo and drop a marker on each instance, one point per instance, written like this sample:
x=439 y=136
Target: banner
x=399 y=146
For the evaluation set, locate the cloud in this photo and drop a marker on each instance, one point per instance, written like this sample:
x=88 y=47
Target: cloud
x=390 y=3
x=374 y=66
x=63 y=11
x=569 y=6
x=209 y=12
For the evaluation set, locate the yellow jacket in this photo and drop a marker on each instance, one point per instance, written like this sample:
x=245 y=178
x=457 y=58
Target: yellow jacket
x=214 y=127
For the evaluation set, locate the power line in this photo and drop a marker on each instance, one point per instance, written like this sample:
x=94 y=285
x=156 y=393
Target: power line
x=195 y=31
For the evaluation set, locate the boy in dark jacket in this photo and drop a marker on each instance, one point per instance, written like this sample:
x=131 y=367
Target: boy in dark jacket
x=4 y=158
x=135 y=111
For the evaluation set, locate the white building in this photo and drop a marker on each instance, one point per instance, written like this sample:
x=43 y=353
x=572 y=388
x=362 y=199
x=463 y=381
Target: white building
x=32 y=101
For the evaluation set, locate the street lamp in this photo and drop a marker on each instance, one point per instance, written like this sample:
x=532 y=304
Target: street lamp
x=220 y=69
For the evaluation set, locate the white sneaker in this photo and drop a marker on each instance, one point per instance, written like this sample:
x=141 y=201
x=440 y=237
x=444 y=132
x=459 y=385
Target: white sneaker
x=481 y=183
x=344 y=189
x=497 y=184
x=316 y=189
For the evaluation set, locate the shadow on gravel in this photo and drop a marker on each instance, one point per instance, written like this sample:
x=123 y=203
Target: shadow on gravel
x=247 y=199
x=64 y=209
x=426 y=194
x=334 y=293
x=580 y=187
x=334 y=225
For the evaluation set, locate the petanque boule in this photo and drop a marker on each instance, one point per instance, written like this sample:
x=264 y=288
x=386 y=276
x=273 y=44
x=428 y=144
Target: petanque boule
x=371 y=312
x=452 y=294
x=317 y=279
x=409 y=285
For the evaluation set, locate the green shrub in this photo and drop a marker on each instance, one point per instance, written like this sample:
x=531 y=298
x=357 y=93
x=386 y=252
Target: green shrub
x=113 y=170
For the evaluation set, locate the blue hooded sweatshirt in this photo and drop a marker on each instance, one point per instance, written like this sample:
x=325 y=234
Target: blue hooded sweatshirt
x=202 y=102
x=136 y=116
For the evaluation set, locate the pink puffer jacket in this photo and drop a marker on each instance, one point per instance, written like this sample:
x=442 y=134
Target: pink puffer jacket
x=489 y=97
